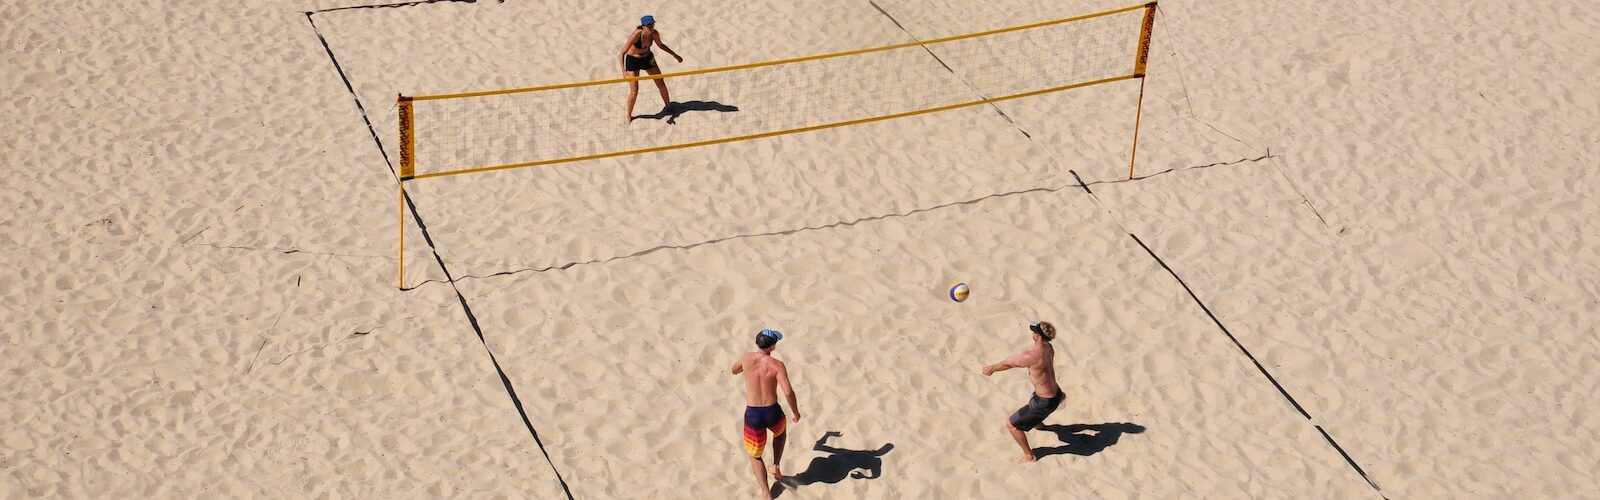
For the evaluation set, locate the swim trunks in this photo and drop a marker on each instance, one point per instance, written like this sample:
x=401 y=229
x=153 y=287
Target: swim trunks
x=631 y=63
x=757 y=421
x=1033 y=413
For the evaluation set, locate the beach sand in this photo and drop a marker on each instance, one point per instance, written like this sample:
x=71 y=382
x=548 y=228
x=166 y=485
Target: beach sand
x=1385 y=208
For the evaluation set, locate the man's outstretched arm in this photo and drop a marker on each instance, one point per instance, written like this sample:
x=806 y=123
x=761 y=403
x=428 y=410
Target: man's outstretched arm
x=738 y=366
x=1029 y=357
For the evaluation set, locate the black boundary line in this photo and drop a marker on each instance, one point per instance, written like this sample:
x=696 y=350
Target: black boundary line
x=1081 y=184
x=359 y=107
x=1224 y=328
x=472 y=319
x=1263 y=369
x=1350 y=461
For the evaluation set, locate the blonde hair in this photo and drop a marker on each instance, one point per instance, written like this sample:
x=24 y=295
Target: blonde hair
x=1047 y=330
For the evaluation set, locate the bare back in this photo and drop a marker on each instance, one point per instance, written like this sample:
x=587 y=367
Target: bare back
x=1043 y=372
x=761 y=374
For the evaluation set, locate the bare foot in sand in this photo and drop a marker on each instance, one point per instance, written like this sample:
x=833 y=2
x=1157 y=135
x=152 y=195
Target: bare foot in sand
x=1027 y=459
x=777 y=474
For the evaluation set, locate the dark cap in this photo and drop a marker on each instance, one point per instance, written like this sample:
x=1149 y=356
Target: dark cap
x=767 y=338
x=1044 y=329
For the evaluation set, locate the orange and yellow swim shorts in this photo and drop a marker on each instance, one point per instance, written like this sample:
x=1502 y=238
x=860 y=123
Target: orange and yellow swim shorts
x=757 y=421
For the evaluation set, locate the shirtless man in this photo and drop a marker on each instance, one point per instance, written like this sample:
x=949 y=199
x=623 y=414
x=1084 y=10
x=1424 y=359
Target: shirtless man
x=1039 y=359
x=763 y=375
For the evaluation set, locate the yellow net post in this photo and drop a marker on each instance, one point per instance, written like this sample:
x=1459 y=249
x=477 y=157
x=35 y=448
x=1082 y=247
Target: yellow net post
x=1133 y=153
x=1141 y=59
x=408 y=169
x=402 y=219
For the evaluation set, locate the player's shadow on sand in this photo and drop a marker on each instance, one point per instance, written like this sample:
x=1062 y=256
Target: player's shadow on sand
x=1085 y=439
x=840 y=464
x=671 y=113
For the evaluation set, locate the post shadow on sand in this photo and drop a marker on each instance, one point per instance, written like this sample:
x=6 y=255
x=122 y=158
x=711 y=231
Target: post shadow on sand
x=1085 y=439
x=676 y=109
x=836 y=467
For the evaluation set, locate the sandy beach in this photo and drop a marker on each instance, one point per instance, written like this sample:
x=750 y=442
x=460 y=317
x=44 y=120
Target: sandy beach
x=1359 y=258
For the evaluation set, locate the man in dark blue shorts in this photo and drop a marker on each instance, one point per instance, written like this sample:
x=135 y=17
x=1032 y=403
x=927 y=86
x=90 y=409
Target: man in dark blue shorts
x=1039 y=358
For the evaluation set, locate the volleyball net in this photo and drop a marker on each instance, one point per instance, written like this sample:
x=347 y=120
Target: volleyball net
x=472 y=132
x=491 y=130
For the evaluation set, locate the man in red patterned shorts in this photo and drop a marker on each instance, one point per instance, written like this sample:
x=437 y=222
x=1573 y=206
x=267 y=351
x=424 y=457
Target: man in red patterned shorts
x=763 y=375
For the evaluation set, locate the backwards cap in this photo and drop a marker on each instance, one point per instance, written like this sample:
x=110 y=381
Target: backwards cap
x=1044 y=329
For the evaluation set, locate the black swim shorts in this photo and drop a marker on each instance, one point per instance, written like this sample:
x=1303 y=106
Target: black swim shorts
x=1032 y=414
x=630 y=63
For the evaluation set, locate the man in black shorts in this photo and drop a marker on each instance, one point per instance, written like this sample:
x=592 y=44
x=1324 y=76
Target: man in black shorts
x=1039 y=358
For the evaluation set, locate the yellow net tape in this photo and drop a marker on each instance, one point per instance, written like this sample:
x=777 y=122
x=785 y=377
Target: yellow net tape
x=1144 y=40
x=776 y=132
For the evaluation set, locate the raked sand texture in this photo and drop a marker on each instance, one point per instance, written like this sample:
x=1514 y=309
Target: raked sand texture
x=200 y=236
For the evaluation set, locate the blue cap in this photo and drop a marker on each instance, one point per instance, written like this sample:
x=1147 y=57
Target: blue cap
x=772 y=333
x=647 y=20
